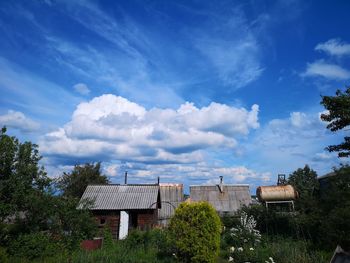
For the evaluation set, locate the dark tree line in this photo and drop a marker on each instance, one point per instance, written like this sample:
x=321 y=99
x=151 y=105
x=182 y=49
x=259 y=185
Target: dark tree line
x=34 y=219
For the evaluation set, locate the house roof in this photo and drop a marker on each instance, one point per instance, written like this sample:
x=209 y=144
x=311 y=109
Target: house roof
x=122 y=197
x=224 y=198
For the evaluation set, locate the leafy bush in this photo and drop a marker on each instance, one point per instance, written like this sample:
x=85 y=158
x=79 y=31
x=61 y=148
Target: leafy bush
x=3 y=255
x=33 y=245
x=107 y=238
x=195 y=230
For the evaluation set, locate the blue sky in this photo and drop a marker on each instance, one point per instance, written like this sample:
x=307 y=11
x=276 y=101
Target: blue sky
x=184 y=90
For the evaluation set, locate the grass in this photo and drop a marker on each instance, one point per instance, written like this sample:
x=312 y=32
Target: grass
x=147 y=247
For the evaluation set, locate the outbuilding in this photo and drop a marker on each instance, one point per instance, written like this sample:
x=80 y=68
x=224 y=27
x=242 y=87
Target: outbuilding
x=225 y=198
x=172 y=196
x=124 y=207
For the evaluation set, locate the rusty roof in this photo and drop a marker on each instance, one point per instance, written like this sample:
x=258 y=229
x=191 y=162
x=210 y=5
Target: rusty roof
x=122 y=197
x=224 y=198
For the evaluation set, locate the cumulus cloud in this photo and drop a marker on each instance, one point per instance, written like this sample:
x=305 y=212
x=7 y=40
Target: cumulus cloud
x=334 y=47
x=113 y=127
x=81 y=88
x=326 y=70
x=18 y=120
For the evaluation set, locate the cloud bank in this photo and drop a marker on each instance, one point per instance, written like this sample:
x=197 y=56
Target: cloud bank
x=116 y=128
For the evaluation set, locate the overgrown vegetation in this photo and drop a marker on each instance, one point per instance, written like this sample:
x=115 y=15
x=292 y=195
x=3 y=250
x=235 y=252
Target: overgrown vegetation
x=34 y=222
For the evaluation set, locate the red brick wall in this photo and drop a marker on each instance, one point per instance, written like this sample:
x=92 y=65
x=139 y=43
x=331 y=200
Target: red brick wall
x=111 y=220
x=146 y=219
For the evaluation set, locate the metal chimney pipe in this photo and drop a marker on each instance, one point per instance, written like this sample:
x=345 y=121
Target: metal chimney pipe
x=126 y=177
x=221 y=179
x=158 y=180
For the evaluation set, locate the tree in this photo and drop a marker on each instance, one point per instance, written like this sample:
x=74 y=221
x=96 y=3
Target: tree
x=28 y=203
x=304 y=180
x=21 y=177
x=195 y=230
x=74 y=184
x=338 y=116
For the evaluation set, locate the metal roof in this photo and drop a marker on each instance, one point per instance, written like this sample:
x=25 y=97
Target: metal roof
x=171 y=196
x=122 y=197
x=224 y=198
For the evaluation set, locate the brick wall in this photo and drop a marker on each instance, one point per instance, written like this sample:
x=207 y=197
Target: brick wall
x=146 y=219
x=111 y=220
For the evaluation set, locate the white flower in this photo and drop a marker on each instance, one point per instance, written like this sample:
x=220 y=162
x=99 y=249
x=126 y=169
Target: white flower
x=240 y=249
x=230 y=259
x=251 y=249
x=232 y=249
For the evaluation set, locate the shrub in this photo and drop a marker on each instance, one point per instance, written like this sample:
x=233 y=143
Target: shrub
x=107 y=238
x=3 y=255
x=35 y=245
x=195 y=230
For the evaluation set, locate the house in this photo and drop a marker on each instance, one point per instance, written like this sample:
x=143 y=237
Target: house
x=171 y=195
x=225 y=198
x=124 y=207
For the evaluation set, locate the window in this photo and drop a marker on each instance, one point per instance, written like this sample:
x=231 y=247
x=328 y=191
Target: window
x=102 y=221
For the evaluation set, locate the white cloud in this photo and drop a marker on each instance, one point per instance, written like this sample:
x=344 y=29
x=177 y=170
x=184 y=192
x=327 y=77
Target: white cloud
x=18 y=120
x=326 y=70
x=115 y=128
x=283 y=145
x=81 y=88
x=334 y=47
x=111 y=170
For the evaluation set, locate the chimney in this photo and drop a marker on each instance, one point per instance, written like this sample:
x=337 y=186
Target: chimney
x=158 y=180
x=126 y=177
x=221 y=178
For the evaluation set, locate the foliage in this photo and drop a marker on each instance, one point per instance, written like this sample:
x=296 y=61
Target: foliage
x=74 y=184
x=338 y=116
x=335 y=207
x=3 y=255
x=304 y=180
x=28 y=207
x=107 y=237
x=195 y=230
x=21 y=178
x=33 y=245
x=244 y=240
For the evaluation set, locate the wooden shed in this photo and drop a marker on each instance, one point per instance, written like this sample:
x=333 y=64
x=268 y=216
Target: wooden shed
x=124 y=207
x=172 y=195
x=225 y=198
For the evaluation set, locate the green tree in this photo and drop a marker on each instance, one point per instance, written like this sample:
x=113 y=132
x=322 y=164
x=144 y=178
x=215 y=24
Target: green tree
x=74 y=184
x=21 y=177
x=304 y=180
x=195 y=230
x=335 y=204
x=28 y=203
x=338 y=116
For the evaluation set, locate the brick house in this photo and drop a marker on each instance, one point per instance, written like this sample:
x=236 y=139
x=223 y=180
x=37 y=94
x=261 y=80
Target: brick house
x=124 y=207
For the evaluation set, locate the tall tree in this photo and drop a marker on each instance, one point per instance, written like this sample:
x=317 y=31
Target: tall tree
x=74 y=184
x=21 y=177
x=338 y=116
x=305 y=182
